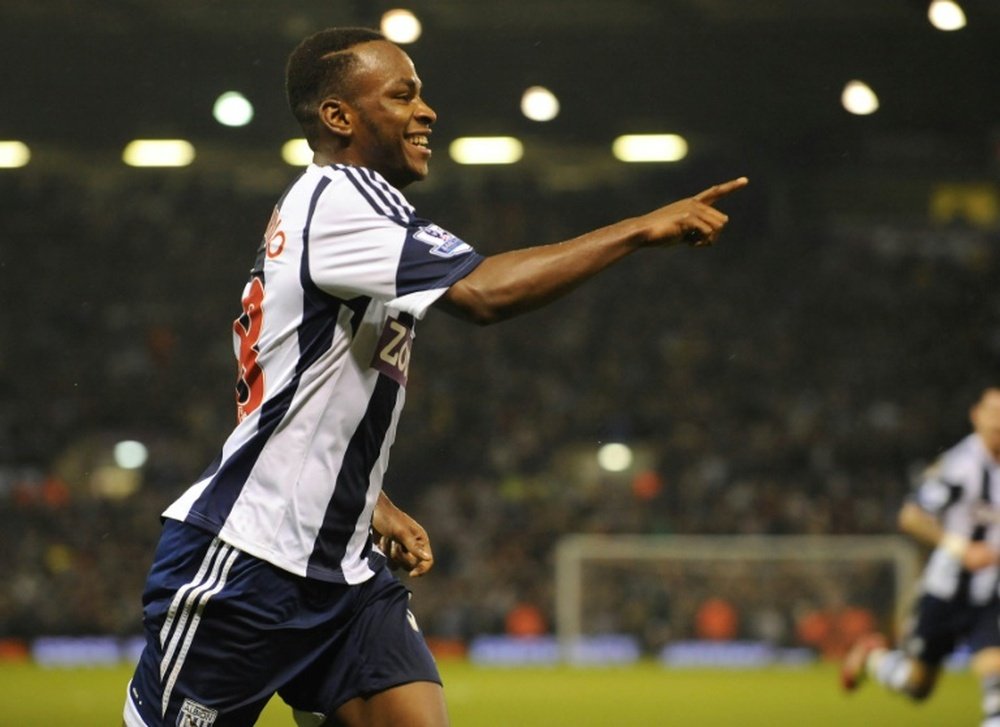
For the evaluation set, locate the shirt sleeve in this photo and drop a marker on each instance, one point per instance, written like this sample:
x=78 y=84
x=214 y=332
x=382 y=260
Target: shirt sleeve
x=365 y=240
x=939 y=488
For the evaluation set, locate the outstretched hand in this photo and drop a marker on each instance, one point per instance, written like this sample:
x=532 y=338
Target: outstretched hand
x=693 y=220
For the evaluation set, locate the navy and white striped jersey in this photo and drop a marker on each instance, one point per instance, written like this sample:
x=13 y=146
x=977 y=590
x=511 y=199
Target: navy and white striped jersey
x=963 y=491
x=323 y=346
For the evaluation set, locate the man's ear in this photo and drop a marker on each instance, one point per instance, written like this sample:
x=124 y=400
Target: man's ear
x=337 y=116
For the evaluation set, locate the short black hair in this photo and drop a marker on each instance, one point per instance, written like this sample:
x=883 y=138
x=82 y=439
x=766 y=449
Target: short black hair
x=318 y=68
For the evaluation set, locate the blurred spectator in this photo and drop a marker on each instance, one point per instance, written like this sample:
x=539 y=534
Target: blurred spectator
x=717 y=620
x=525 y=620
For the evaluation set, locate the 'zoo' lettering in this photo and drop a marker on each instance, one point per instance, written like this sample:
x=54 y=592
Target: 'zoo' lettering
x=392 y=353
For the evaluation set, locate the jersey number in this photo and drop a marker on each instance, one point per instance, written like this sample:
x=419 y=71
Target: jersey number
x=250 y=377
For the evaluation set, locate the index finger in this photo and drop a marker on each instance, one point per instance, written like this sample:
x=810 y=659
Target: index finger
x=718 y=191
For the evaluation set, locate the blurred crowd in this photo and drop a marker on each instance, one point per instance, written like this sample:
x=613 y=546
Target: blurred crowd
x=793 y=379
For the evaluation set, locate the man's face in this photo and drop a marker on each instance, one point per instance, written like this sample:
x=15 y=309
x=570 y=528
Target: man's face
x=392 y=124
x=986 y=421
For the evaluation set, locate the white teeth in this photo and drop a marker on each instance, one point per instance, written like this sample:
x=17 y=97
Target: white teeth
x=418 y=140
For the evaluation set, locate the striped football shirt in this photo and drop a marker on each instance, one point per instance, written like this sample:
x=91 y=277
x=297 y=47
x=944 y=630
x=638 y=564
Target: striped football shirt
x=323 y=347
x=963 y=491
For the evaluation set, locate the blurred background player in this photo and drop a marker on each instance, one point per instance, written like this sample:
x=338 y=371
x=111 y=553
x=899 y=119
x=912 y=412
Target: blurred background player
x=956 y=509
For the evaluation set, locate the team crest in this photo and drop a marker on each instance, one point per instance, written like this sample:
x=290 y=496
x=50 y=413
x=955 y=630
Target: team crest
x=442 y=242
x=193 y=714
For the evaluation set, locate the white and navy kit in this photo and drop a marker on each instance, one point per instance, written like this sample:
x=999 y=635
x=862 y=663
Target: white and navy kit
x=266 y=579
x=324 y=347
x=962 y=490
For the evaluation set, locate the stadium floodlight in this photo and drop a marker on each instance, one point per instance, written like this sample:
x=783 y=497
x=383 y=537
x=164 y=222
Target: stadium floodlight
x=946 y=15
x=615 y=457
x=539 y=104
x=650 y=148
x=158 y=153
x=14 y=154
x=486 y=150
x=233 y=109
x=130 y=454
x=859 y=98
x=296 y=152
x=400 y=26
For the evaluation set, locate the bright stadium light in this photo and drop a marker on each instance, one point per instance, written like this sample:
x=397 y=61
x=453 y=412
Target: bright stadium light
x=233 y=109
x=14 y=154
x=130 y=454
x=539 y=104
x=400 y=26
x=859 y=98
x=615 y=457
x=650 y=148
x=486 y=150
x=946 y=15
x=296 y=152
x=158 y=153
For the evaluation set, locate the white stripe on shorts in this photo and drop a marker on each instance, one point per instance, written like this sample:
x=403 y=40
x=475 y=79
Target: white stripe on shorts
x=131 y=716
x=182 y=592
x=189 y=603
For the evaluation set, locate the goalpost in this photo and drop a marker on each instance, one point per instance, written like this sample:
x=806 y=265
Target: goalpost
x=651 y=586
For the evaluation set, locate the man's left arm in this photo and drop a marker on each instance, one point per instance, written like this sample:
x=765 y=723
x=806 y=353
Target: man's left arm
x=404 y=541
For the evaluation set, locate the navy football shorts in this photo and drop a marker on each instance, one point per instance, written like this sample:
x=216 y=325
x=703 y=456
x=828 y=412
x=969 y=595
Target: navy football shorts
x=940 y=626
x=225 y=631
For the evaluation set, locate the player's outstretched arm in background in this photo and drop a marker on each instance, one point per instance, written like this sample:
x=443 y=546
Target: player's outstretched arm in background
x=401 y=538
x=518 y=281
x=925 y=528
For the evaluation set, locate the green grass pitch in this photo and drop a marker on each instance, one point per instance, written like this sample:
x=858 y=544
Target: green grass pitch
x=552 y=697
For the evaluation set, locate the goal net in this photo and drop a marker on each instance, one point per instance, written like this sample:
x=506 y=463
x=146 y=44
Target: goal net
x=780 y=595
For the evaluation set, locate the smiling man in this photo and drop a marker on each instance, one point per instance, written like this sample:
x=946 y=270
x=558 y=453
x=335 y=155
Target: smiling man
x=372 y=107
x=271 y=573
